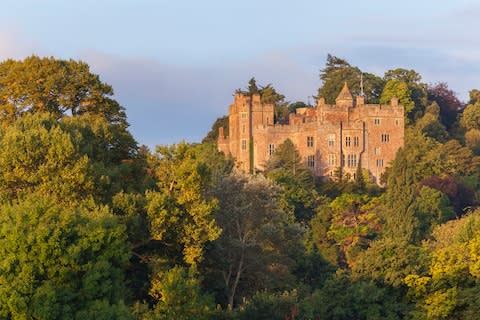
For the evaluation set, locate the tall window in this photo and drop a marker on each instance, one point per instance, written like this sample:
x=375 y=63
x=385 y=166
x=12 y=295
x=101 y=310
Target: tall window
x=347 y=141
x=243 y=128
x=376 y=121
x=311 y=161
x=331 y=159
x=271 y=149
x=331 y=140
x=310 y=142
x=244 y=115
x=379 y=163
x=352 y=160
x=376 y=151
x=385 y=137
x=244 y=145
x=356 y=141
x=397 y=122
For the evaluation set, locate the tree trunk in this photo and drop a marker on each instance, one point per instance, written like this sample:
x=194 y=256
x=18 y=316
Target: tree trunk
x=235 y=283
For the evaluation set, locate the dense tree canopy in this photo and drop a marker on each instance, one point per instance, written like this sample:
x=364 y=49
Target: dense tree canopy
x=94 y=227
x=57 y=86
x=61 y=263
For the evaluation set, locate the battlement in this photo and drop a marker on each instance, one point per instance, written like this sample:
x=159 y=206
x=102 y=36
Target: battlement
x=346 y=134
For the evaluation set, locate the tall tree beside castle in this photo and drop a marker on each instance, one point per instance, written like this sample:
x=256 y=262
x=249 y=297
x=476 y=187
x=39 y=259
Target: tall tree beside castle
x=337 y=71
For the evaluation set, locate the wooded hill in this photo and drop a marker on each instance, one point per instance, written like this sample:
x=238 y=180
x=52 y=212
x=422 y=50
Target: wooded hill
x=94 y=226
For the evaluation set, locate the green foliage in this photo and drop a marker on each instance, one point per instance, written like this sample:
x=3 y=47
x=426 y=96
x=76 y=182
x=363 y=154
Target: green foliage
x=389 y=260
x=267 y=306
x=337 y=71
x=212 y=135
x=286 y=168
x=422 y=158
x=57 y=86
x=417 y=89
x=343 y=299
x=449 y=288
x=258 y=240
x=178 y=297
x=76 y=159
x=344 y=227
x=61 y=263
x=471 y=117
x=430 y=125
x=400 y=90
x=180 y=215
x=252 y=86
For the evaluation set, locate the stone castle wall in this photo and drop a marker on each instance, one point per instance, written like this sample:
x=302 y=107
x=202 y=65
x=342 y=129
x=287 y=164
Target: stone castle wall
x=328 y=137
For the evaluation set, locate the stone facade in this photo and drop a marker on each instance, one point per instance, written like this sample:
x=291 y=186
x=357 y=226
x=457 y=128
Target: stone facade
x=327 y=137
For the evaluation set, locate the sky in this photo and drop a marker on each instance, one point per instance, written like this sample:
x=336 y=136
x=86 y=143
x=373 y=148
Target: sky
x=175 y=64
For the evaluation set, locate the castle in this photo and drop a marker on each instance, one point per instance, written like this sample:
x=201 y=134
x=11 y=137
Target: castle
x=344 y=135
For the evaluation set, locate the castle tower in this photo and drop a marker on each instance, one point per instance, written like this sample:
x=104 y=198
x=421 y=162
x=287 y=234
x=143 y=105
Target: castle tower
x=331 y=138
x=345 y=97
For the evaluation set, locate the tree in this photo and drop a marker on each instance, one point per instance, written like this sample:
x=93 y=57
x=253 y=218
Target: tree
x=76 y=159
x=256 y=242
x=474 y=96
x=344 y=299
x=178 y=296
x=448 y=289
x=397 y=89
x=471 y=117
x=417 y=89
x=449 y=104
x=389 y=261
x=60 y=87
x=472 y=141
x=181 y=215
x=349 y=226
x=269 y=306
x=60 y=263
x=212 y=135
x=287 y=169
x=430 y=124
x=337 y=71
x=252 y=86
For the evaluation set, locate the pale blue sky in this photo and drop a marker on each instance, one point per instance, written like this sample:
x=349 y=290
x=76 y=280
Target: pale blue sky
x=174 y=64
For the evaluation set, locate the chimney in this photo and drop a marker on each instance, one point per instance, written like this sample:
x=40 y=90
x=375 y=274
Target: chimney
x=321 y=101
x=360 y=100
x=221 y=134
x=394 y=102
x=256 y=98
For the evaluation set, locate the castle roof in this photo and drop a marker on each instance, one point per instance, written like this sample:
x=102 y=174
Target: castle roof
x=345 y=95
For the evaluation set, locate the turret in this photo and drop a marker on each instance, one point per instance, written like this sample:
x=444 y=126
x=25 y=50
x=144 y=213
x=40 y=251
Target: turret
x=345 y=97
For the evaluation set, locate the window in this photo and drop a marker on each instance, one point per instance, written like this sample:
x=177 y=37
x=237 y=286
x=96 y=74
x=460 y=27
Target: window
x=376 y=121
x=310 y=142
x=331 y=159
x=352 y=160
x=243 y=128
x=271 y=149
x=397 y=122
x=347 y=141
x=311 y=161
x=331 y=140
x=244 y=145
x=385 y=137
x=244 y=115
x=379 y=163
x=356 y=141
x=376 y=151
